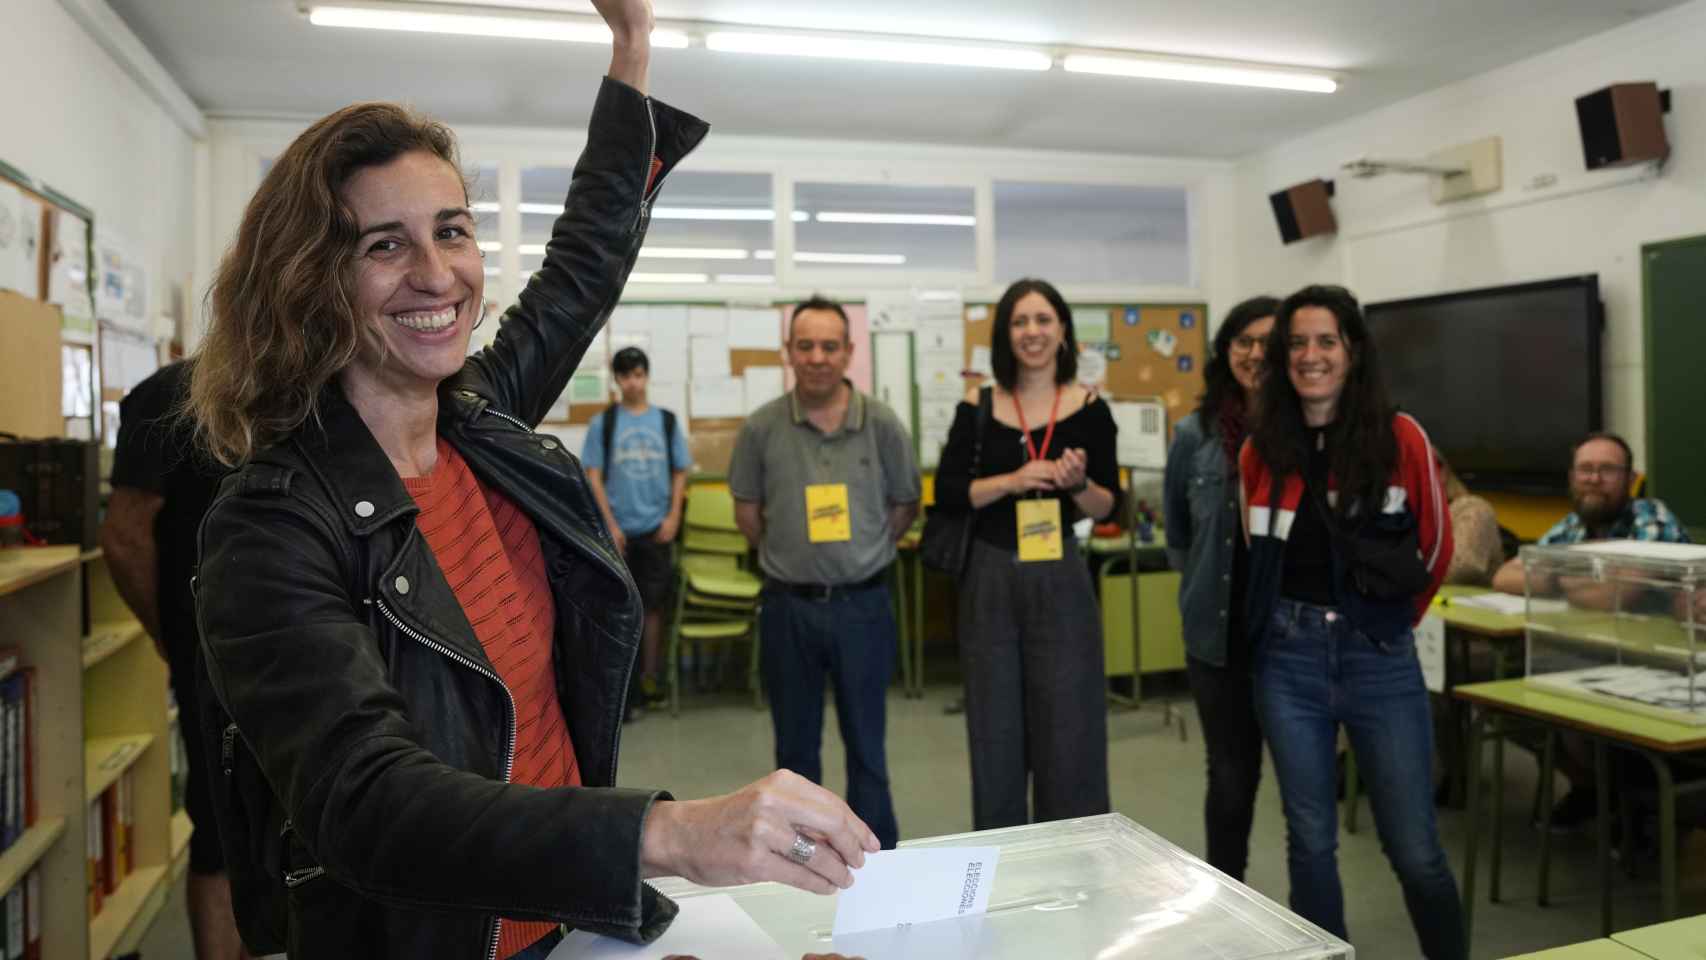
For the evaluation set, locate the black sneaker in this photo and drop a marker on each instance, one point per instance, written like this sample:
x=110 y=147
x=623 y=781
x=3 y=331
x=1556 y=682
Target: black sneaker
x=1576 y=811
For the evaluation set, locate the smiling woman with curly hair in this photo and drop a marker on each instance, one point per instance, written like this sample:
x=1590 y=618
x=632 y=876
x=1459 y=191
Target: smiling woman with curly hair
x=416 y=631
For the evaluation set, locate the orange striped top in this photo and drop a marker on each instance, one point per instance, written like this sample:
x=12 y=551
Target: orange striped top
x=489 y=552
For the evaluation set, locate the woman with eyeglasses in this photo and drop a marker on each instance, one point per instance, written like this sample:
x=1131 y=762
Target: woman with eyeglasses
x=1205 y=543
x=1349 y=538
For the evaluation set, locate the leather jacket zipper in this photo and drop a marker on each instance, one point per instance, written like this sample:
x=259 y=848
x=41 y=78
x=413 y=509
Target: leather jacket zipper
x=651 y=151
x=616 y=728
x=509 y=726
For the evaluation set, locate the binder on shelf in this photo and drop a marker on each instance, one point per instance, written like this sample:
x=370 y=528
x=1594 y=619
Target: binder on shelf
x=12 y=699
x=28 y=675
x=124 y=845
x=15 y=922
x=32 y=916
x=110 y=876
x=92 y=840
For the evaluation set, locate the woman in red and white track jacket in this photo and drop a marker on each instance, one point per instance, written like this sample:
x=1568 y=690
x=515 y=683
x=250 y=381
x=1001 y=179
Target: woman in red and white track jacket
x=1349 y=538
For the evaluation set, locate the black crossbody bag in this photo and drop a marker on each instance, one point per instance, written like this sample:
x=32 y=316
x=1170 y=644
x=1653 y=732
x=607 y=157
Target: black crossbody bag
x=1383 y=566
x=947 y=533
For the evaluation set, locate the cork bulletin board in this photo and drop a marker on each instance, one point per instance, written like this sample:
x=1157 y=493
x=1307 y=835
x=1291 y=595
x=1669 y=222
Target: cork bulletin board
x=1152 y=350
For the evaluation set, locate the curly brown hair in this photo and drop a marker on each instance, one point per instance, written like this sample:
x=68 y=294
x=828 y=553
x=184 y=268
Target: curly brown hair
x=282 y=318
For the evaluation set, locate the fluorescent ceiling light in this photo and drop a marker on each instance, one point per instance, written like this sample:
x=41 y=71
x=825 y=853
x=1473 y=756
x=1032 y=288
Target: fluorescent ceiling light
x=579 y=30
x=669 y=278
x=938 y=296
x=693 y=253
x=534 y=249
x=745 y=278
x=911 y=219
x=872 y=48
x=712 y=213
x=490 y=246
x=805 y=256
x=1167 y=68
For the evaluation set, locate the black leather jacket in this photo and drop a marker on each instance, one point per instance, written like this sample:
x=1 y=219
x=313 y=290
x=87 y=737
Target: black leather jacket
x=353 y=682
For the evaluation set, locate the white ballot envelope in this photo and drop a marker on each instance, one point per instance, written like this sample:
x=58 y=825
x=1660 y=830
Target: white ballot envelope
x=711 y=927
x=899 y=888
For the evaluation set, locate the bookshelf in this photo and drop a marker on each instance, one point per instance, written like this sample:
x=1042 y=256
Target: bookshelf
x=100 y=712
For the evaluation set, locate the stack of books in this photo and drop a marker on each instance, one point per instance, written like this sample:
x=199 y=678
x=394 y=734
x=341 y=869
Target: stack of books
x=17 y=748
x=111 y=840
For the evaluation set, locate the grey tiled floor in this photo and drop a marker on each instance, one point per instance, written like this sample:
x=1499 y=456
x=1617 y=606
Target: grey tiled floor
x=721 y=743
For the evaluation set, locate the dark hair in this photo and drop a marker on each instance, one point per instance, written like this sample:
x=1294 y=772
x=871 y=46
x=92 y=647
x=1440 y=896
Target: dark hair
x=1001 y=358
x=818 y=301
x=1628 y=455
x=1363 y=451
x=629 y=359
x=1219 y=385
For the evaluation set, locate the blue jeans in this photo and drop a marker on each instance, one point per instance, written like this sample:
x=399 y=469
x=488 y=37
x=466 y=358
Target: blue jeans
x=1314 y=671
x=850 y=638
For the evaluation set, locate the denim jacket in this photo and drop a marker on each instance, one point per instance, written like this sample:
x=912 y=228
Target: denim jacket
x=1200 y=511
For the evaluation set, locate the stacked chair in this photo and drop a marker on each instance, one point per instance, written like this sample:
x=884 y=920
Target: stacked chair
x=717 y=594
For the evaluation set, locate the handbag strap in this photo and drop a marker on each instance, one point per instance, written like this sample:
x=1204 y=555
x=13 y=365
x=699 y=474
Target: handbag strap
x=985 y=403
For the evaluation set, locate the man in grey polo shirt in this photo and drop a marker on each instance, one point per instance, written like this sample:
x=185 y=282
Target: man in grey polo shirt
x=824 y=482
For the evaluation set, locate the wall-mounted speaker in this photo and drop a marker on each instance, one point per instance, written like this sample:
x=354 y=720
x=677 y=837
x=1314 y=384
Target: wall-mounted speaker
x=1623 y=124
x=1303 y=211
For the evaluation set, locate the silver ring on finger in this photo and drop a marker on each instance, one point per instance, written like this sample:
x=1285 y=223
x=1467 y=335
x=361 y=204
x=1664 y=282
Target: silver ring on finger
x=802 y=850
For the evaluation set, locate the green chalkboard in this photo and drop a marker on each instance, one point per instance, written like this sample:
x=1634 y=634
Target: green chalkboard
x=1673 y=283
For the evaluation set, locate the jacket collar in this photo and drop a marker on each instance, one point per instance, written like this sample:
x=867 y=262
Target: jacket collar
x=365 y=489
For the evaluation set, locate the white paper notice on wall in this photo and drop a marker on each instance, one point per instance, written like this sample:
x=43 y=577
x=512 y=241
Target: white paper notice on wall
x=710 y=357
x=887 y=310
x=11 y=242
x=708 y=321
x=1430 y=650
x=763 y=384
x=757 y=328
x=671 y=395
x=1142 y=439
x=717 y=397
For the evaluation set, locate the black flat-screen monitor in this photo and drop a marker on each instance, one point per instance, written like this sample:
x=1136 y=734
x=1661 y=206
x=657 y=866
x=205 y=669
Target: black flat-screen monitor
x=1505 y=380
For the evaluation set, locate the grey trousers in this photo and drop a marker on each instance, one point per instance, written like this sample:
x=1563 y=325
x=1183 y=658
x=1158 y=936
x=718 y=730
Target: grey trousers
x=1031 y=651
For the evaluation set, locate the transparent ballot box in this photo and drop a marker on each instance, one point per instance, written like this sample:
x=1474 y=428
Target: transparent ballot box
x=1098 y=887
x=1619 y=622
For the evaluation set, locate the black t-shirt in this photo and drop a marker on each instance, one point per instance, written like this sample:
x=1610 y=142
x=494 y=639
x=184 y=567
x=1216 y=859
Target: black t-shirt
x=1308 y=574
x=1090 y=429
x=156 y=454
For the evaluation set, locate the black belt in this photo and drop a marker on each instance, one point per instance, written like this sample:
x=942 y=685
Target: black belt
x=823 y=592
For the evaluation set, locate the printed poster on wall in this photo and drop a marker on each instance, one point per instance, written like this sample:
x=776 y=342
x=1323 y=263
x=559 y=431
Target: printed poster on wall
x=121 y=282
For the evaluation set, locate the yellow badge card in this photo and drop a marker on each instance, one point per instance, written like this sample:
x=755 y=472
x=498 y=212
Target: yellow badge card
x=1039 y=530
x=827 y=519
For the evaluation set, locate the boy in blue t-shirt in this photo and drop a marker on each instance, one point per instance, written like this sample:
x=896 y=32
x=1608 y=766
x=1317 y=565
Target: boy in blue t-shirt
x=640 y=491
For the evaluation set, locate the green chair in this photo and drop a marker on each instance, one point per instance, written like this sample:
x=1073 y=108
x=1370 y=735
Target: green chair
x=716 y=601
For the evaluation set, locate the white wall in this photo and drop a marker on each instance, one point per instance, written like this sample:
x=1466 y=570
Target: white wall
x=76 y=120
x=1393 y=241
x=237 y=146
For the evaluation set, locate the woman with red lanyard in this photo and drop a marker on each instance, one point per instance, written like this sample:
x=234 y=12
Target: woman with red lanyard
x=1030 y=456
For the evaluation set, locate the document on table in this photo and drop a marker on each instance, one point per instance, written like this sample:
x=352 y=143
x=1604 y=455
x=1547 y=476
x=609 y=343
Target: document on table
x=1509 y=604
x=897 y=888
x=711 y=927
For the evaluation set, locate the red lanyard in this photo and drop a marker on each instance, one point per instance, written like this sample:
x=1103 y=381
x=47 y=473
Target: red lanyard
x=1048 y=435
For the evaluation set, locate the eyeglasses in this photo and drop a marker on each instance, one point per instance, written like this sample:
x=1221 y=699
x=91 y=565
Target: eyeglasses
x=1594 y=471
x=1243 y=343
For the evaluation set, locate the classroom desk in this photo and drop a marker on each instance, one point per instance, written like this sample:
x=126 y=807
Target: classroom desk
x=1657 y=740
x=1503 y=634
x=1676 y=940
